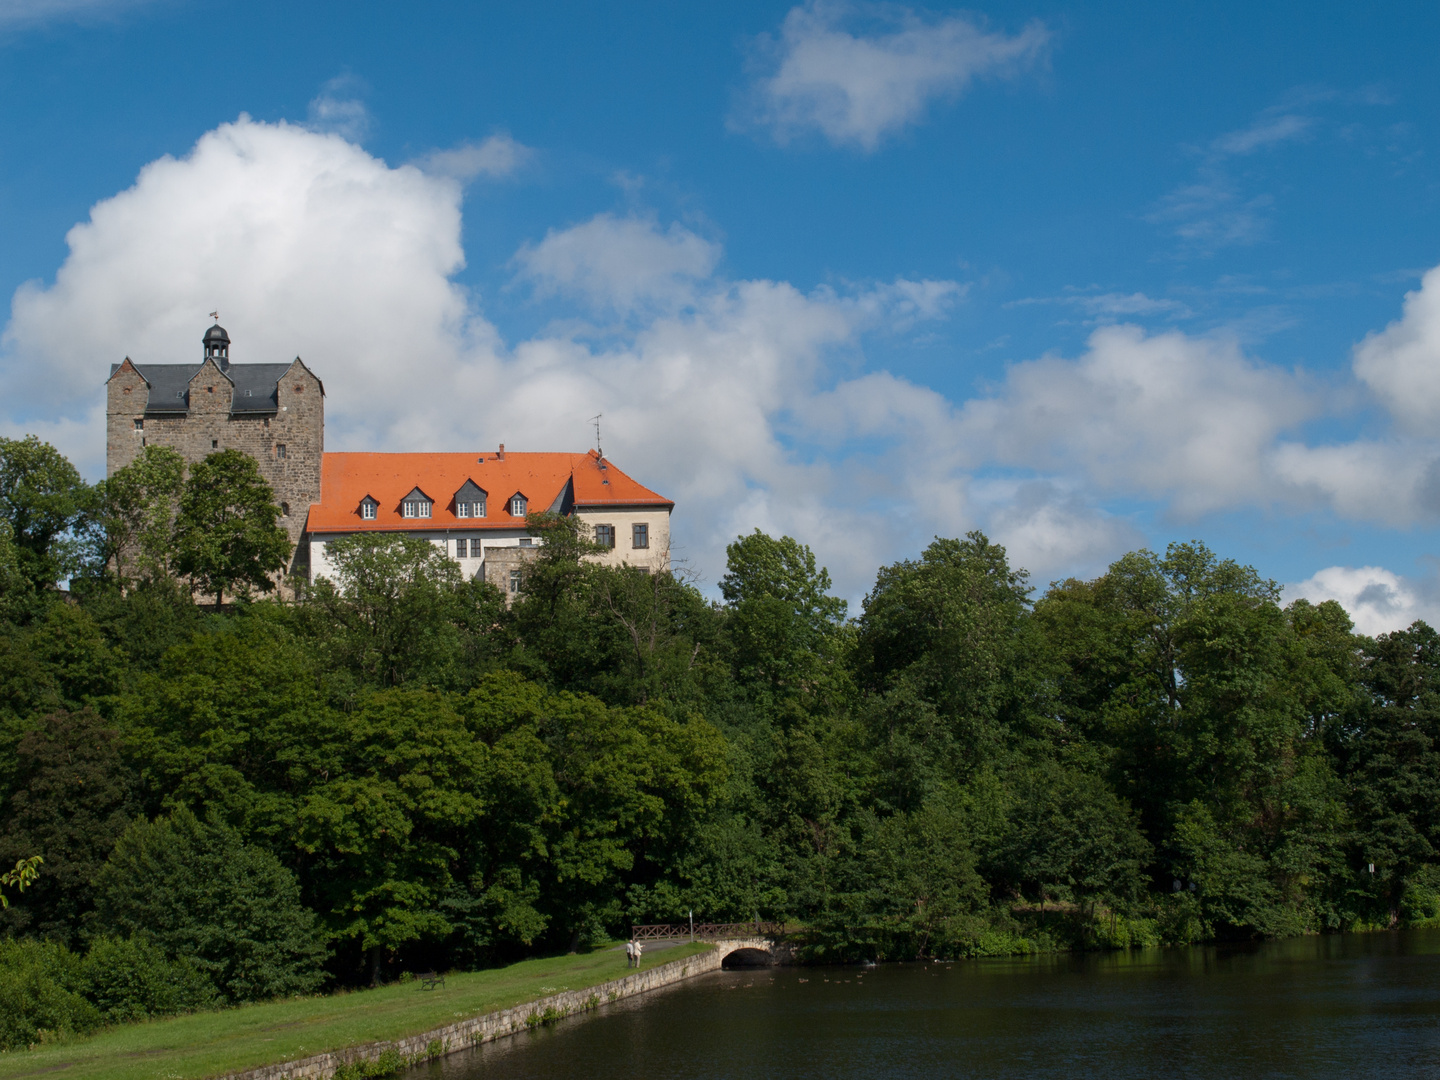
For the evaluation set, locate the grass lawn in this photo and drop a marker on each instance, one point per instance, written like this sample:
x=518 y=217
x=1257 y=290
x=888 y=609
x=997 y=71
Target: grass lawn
x=209 y=1044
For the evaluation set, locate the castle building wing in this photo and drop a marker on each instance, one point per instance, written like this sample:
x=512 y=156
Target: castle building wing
x=558 y=482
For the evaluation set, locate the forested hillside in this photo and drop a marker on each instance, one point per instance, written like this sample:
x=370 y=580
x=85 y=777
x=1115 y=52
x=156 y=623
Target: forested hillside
x=397 y=771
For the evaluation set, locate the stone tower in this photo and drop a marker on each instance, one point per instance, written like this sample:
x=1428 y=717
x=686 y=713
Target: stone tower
x=273 y=412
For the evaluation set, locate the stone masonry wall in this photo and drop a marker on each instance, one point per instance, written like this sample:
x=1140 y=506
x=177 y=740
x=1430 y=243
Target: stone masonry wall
x=298 y=424
x=497 y=1025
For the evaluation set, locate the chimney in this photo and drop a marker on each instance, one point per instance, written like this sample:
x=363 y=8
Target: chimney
x=501 y=455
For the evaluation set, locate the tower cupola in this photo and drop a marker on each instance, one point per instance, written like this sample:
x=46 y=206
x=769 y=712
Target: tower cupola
x=217 y=346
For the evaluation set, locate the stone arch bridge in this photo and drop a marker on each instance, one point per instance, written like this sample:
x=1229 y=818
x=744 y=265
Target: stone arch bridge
x=751 y=944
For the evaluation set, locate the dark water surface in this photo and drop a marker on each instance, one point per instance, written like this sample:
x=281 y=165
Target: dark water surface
x=1360 y=1006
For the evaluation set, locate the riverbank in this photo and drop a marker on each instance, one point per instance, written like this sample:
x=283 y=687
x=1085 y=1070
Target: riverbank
x=238 y=1040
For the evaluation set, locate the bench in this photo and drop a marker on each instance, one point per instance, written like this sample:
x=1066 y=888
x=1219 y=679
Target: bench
x=429 y=980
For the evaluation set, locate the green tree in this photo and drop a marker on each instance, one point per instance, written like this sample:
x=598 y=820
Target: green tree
x=384 y=829
x=908 y=889
x=133 y=521
x=785 y=629
x=226 y=536
x=398 y=612
x=1070 y=837
x=948 y=631
x=43 y=499
x=1392 y=763
x=73 y=797
x=201 y=893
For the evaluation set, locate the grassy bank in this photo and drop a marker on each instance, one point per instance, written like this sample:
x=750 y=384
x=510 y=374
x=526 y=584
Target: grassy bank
x=210 y=1044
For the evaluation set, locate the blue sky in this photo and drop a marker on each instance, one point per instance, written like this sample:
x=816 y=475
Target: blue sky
x=1087 y=276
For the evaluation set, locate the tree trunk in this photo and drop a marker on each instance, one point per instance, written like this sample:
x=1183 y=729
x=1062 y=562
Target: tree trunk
x=375 y=953
x=575 y=941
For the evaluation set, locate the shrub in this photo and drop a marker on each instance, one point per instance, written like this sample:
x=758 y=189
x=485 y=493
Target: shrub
x=200 y=892
x=131 y=979
x=39 y=998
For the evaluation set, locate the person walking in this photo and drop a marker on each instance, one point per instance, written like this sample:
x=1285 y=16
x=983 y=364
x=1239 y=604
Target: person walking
x=630 y=953
x=638 y=950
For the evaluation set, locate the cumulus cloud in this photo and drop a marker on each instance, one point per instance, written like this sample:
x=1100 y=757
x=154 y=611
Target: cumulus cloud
x=307 y=245
x=856 y=88
x=1190 y=420
x=1401 y=363
x=619 y=262
x=1053 y=532
x=496 y=157
x=1378 y=600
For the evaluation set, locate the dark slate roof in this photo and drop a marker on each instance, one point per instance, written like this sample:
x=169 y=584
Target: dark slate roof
x=470 y=492
x=254 y=386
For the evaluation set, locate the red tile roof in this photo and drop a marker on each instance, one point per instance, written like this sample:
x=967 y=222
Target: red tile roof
x=346 y=479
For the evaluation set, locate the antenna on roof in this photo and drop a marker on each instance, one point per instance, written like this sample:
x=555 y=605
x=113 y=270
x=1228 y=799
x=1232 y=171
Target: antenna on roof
x=596 y=421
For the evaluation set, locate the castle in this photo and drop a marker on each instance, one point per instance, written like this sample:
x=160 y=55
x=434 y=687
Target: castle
x=471 y=504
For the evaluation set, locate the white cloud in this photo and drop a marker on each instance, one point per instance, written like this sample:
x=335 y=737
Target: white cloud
x=496 y=157
x=1054 y=533
x=1185 y=419
x=855 y=88
x=1378 y=600
x=619 y=262
x=1401 y=363
x=306 y=244
x=1269 y=129
x=339 y=109
x=1113 y=305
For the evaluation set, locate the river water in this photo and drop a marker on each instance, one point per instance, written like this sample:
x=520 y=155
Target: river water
x=1365 y=1005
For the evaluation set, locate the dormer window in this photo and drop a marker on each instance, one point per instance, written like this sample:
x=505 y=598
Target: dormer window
x=416 y=505
x=518 y=503
x=470 y=501
x=368 y=508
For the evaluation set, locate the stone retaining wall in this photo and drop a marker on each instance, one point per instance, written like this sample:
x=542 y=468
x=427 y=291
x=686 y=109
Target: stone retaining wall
x=464 y=1034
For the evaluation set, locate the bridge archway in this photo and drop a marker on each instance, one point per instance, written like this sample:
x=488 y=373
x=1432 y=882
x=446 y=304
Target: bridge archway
x=747 y=957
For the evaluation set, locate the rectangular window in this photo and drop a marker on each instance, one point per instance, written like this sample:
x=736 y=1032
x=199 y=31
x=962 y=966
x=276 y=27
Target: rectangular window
x=415 y=508
x=640 y=535
x=367 y=511
x=462 y=509
x=139 y=425
x=517 y=506
x=525 y=541
x=407 y=510
x=605 y=535
x=461 y=551
x=280 y=451
x=214 y=444
x=514 y=581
